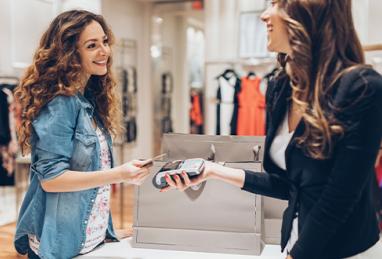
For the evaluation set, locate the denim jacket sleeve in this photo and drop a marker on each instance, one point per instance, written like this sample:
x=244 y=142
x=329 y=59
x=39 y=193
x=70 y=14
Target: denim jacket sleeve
x=54 y=129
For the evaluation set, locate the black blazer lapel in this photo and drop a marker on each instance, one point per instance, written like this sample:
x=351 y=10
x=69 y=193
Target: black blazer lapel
x=277 y=108
x=277 y=105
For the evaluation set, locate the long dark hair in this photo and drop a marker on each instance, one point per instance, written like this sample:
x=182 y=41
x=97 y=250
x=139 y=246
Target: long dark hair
x=56 y=70
x=324 y=46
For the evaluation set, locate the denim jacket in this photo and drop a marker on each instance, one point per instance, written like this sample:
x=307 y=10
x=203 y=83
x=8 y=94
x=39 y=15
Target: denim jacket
x=62 y=138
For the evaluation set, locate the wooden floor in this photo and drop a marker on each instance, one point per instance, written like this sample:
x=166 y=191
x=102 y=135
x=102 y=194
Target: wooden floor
x=7 y=250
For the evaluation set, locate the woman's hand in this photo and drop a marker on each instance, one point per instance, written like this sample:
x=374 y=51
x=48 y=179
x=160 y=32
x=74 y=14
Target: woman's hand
x=134 y=172
x=182 y=181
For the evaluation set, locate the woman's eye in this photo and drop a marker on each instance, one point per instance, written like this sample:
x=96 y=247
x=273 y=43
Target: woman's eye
x=272 y=2
x=90 y=46
x=106 y=42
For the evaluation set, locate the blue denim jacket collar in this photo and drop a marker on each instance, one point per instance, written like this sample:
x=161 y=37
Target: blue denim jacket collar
x=88 y=103
x=85 y=103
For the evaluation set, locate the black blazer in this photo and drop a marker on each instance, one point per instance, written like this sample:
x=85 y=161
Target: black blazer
x=333 y=197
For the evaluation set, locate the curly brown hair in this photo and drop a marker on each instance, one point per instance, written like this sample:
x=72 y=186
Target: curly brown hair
x=56 y=70
x=324 y=46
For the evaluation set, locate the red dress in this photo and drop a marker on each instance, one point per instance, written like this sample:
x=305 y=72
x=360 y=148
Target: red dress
x=251 y=116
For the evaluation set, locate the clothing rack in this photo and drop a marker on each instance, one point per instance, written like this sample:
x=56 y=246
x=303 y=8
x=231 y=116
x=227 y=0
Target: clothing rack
x=216 y=101
x=251 y=62
x=196 y=90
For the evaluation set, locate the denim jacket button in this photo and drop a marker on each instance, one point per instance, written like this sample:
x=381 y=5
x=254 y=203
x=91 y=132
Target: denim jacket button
x=93 y=200
x=86 y=222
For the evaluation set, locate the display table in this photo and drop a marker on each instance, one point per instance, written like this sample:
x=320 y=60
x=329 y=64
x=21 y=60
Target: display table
x=123 y=249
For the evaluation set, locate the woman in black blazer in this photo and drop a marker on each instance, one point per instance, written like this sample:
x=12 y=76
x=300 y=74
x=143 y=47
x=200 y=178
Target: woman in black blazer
x=324 y=127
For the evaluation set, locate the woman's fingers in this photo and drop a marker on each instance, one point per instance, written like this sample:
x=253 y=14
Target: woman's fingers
x=142 y=163
x=197 y=180
x=170 y=181
x=175 y=182
x=178 y=181
x=186 y=179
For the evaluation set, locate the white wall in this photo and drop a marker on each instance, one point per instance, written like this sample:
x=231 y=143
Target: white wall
x=375 y=22
x=92 y=5
x=367 y=14
x=130 y=19
x=22 y=23
x=5 y=43
x=25 y=35
x=368 y=20
x=360 y=10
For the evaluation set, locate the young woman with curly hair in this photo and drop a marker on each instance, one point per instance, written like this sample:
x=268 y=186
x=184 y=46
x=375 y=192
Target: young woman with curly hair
x=69 y=109
x=324 y=127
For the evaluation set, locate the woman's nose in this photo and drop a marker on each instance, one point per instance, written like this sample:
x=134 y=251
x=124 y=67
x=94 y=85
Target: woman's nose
x=104 y=50
x=265 y=15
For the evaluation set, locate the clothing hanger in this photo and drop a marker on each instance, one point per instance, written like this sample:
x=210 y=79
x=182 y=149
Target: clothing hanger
x=228 y=73
x=251 y=74
x=270 y=74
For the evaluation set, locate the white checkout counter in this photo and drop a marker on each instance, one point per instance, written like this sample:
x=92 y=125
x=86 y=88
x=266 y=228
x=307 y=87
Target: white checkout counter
x=123 y=250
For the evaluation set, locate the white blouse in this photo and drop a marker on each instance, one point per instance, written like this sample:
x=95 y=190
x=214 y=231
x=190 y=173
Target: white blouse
x=280 y=144
x=99 y=215
x=277 y=154
x=227 y=90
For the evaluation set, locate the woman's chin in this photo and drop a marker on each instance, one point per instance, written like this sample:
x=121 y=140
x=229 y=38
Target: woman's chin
x=99 y=73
